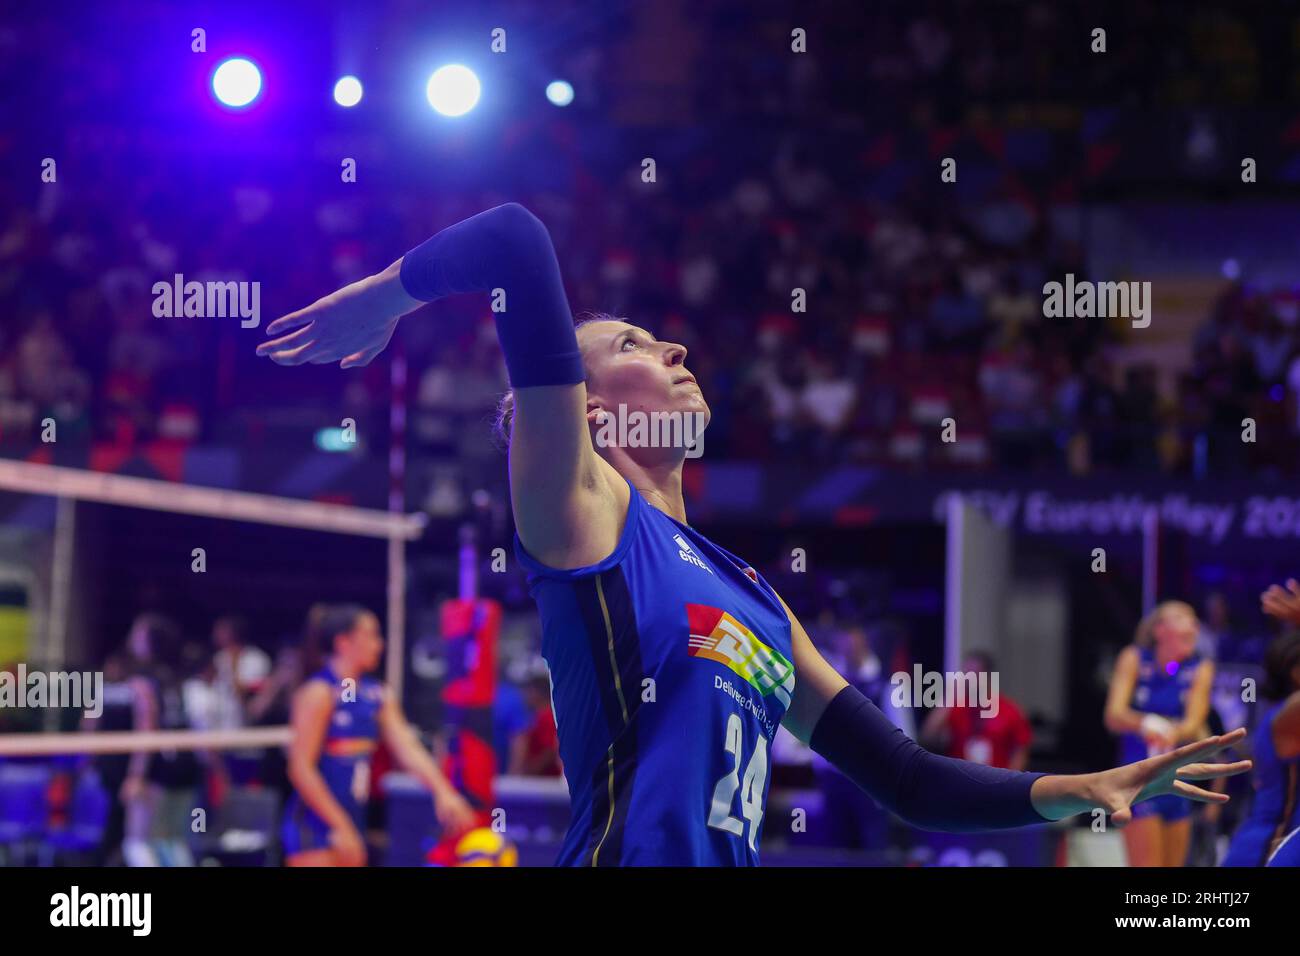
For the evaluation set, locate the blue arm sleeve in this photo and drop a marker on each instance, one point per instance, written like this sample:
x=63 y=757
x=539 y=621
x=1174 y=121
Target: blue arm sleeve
x=926 y=790
x=506 y=248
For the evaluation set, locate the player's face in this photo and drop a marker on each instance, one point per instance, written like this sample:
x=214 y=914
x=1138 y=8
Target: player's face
x=364 y=645
x=1176 y=633
x=628 y=366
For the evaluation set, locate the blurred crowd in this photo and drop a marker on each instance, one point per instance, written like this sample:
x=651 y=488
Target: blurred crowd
x=912 y=317
x=915 y=307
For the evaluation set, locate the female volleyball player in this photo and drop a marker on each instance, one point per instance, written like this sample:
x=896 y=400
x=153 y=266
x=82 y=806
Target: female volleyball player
x=143 y=694
x=1160 y=698
x=672 y=661
x=339 y=714
x=1275 y=811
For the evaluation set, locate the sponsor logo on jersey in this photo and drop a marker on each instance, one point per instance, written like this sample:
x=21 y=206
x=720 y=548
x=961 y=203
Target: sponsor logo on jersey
x=686 y=554
x=350 y=746
x=718 y=636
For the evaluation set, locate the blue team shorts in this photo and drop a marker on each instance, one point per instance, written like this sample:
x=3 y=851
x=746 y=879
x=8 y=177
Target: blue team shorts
x=1169 y=807
x=302 y=830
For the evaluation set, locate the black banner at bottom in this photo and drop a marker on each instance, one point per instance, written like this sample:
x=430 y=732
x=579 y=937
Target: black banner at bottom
x=224 y=907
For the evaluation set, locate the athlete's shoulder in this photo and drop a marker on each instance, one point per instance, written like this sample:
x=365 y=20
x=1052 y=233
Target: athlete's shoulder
x=630 y=508
x=1131 y=655
x=315 y=693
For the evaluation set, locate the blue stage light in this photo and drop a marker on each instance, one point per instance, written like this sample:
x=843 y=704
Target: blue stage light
x=236 y=82
x=453 y=90
x=559 y=92
x=347 y=91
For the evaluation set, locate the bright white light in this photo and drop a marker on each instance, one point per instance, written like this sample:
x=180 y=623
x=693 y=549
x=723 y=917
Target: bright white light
x=236 y=82
x=559 y=92
x=347 y=91
x=453 y=90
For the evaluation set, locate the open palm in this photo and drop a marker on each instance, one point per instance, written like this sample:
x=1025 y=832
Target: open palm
x=350 y=326
x=1170 y=773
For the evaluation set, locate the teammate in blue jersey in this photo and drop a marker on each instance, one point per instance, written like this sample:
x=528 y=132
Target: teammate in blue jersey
x=1160 y=698
x=672 y=661
x=1267 y=835
x=339 y=715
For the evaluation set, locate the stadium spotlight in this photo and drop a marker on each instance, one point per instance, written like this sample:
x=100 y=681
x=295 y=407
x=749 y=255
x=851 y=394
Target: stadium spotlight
x=453 y=90
x=559 y=92
x=236 y=82
x=347 y=91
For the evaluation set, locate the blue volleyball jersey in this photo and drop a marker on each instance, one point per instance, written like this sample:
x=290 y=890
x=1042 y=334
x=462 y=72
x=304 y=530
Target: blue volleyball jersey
x=1158 y=691
x=1275 y=809
x=671 y=669
x=350 y=740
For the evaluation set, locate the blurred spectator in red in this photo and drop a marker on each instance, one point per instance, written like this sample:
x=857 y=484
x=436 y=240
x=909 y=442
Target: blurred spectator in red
x=1000 y=740
x=535 y=752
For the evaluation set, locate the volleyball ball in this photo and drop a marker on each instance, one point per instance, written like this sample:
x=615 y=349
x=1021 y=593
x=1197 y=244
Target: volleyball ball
x=485 y=847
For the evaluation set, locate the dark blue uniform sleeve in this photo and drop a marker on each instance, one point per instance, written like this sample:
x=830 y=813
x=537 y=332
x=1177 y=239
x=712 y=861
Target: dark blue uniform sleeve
x=926 y=790
x=506 y=248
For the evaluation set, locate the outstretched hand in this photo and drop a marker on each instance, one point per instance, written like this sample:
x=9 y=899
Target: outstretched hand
x=1171 y=773
x=1282 y=603
x=350 y=326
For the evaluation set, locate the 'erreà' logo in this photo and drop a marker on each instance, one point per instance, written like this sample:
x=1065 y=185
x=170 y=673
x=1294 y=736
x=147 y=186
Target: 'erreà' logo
x=686 y=554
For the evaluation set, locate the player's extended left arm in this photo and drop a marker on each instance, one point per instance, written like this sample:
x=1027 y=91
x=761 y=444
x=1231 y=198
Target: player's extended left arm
x=934 y=792
x=924 y=789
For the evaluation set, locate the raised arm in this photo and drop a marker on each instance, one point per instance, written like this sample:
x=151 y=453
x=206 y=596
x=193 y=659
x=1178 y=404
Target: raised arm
x=1284 y=604
x=566 y=506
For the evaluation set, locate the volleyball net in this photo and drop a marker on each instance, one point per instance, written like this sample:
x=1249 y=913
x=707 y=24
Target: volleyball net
x=83 y=553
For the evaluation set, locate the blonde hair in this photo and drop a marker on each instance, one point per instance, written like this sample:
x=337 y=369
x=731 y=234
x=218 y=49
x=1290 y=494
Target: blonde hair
x=1145 y=634
x=503 y=419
